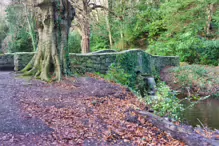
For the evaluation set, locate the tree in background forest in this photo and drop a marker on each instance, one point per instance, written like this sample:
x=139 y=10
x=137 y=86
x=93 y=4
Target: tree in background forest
x=186 y=28
x=191 y=31
x=53 y=22
x=84 y=9
x=18 y=35
x=3 y=34
x=122 y=28
x=3 y=26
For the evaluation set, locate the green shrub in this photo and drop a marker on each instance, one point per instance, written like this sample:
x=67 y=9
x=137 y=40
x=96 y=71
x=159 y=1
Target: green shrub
x=210 y=53
x=74 y=42
x=21 y=42
x=3 y=30
x=18 y=29
x=186 y=75
x=198 y=79
x=99 y=37
x=118 y=75
x=165 y=104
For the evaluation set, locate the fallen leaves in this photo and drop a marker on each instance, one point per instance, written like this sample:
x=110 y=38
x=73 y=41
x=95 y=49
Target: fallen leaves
x=103 y=121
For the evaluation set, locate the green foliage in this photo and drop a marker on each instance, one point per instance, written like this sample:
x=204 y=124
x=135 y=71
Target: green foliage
x=185 y=34
x=129 y=29
x=128 y=62
x=74 y=43
x=197 y=77
x=133 y=30
x=210 y=53
x=186 y=49
x=118 y=75
x=21 y=42
x=99 y=37
x=164 y=28
x=187 y=74
x=18 y=29
x=165 y=103
x=3 y=30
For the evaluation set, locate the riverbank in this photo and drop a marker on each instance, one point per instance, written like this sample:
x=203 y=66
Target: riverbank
x=193 y=80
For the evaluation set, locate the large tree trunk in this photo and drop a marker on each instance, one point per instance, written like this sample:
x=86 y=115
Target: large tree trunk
x=53 y=23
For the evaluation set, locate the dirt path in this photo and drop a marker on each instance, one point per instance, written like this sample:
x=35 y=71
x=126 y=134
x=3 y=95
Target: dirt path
x=82 y=111
x=14 y=122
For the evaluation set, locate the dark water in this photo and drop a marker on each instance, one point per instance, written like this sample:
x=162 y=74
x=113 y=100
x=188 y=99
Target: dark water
x=207 y=111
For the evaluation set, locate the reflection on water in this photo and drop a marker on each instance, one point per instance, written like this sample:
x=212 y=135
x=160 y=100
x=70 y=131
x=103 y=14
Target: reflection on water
x=207 y=111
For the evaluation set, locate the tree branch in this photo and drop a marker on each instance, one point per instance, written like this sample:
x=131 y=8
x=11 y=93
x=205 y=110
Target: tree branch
x=95 y=6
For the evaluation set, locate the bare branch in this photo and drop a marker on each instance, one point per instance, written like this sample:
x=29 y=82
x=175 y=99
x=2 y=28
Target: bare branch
x=95 y=6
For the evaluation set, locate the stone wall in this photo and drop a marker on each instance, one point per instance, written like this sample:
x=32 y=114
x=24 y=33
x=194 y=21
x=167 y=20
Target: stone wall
x=160 y=62
x=130 y=61
x=6 y=62
x=91 y=62
x=21 y=59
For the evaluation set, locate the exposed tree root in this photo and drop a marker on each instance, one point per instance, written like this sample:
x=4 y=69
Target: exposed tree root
x=41 y=69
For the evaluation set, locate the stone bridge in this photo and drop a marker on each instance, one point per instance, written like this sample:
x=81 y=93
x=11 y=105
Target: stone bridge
x=130 y=60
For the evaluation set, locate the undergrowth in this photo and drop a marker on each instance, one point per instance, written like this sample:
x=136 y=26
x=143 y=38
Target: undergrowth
x=165 y=103
x=117 y=74
x=197 y=77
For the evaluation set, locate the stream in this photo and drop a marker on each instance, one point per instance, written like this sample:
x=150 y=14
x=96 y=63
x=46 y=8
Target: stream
x=205 y=112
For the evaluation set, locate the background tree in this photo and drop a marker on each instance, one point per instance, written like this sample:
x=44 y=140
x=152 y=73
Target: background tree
x=18 y=36
x=31 y=23
x=84 y=10
x=3 y=26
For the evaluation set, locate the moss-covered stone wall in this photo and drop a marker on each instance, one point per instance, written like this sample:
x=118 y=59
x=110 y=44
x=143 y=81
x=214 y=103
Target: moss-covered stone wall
x=130 y=60
x=91 y=62
x=157 y=63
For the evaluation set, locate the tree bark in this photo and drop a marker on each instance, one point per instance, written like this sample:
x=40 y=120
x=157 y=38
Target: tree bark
x=53 y=23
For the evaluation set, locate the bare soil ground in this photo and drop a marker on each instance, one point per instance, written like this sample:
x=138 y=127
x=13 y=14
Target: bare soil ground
x=77 y=111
